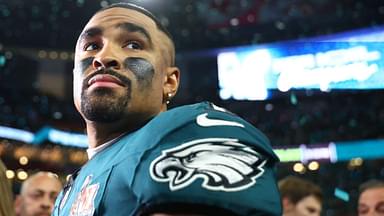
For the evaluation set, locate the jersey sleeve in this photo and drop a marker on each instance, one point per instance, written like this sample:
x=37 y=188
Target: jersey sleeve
x=212 y=122
x=210 y=157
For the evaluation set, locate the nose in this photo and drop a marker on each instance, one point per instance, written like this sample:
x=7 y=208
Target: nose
x=46 y=203
x=106 y=58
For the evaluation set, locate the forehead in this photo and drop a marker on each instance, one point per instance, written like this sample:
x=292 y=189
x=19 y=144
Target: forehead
x=310 y=201
x=110 y=16
x=44 y=183
x=374 y=194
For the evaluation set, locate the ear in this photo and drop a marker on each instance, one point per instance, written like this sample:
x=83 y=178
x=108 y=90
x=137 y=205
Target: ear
x=171 y=83
x=287 y=204
x=17 y=204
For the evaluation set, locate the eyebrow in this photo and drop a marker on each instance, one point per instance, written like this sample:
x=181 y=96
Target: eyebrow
x=44 y=191
x=90 y=33
x=130 y=27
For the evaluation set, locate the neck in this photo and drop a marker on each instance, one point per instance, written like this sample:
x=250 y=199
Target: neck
x=100 y=133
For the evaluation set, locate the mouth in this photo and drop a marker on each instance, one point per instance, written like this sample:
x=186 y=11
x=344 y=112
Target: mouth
x=43 y=214
x=104 y=81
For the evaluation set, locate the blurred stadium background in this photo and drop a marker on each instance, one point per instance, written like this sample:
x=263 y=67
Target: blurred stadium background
x=333 y=137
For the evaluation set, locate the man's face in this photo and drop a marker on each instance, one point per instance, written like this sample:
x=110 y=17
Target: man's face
x=308 y=206
x=371 y=202
x=39 y=197
x=120 y=70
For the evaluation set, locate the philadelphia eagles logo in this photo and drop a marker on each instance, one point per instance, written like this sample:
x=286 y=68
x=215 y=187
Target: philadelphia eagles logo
x=224 y=165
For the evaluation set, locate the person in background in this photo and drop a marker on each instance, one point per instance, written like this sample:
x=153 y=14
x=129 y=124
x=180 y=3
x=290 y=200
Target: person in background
x=6 y=195
x=300 y=197
x=144 y=159
x=38 y=194
x=371 y=198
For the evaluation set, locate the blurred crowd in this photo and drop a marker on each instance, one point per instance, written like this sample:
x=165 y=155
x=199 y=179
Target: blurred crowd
x=332 y=116
x=211 y=23
x=299 y=196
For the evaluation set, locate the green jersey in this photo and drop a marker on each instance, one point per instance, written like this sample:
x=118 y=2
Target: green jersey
x=198 y=154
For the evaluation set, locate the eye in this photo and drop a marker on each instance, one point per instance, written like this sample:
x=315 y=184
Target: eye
x=191 y=157
x=311 y=210
x=363 y=209
x=134 y=45
x=35 y=195
x=380 y=207
x=91 y=47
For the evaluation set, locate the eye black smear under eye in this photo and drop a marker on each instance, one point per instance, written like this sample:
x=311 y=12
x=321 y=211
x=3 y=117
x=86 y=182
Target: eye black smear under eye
x=83 y=64
x=141 y=68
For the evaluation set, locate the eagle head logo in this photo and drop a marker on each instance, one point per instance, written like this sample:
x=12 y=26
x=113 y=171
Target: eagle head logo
x=223 y=164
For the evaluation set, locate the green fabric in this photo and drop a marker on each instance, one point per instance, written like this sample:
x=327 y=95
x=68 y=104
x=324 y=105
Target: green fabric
x=126 y=175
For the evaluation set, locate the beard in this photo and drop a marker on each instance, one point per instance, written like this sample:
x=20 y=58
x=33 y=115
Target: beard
x=103 y=105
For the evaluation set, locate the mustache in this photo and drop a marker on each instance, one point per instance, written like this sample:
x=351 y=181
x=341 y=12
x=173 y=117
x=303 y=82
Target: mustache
x=125 y=80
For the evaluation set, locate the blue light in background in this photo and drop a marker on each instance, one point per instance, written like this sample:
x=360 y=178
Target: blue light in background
x=16 y=134
x=366 y=149
x=248 y=73
x=332 y=151
x=2 y=60
x=341 y=194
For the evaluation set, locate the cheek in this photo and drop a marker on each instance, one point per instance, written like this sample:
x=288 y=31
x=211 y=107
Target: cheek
x=77 y=87
x=79 y=71
x=30 y=203
x=142 y=69
x=77 y=84
x=84 y=64
x=300 y=208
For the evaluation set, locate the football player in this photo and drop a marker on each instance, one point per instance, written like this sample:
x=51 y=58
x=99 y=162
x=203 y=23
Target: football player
x=196 y=159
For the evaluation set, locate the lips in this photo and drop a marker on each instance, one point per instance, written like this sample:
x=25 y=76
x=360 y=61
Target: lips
x=43 y=214
x=104 y=80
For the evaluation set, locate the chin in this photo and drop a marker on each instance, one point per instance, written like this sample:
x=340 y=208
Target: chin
x=104 y=114
x=103 y=111
x=102 y=106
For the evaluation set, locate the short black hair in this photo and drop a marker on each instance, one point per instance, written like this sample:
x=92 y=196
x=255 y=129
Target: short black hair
x=141 y=10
